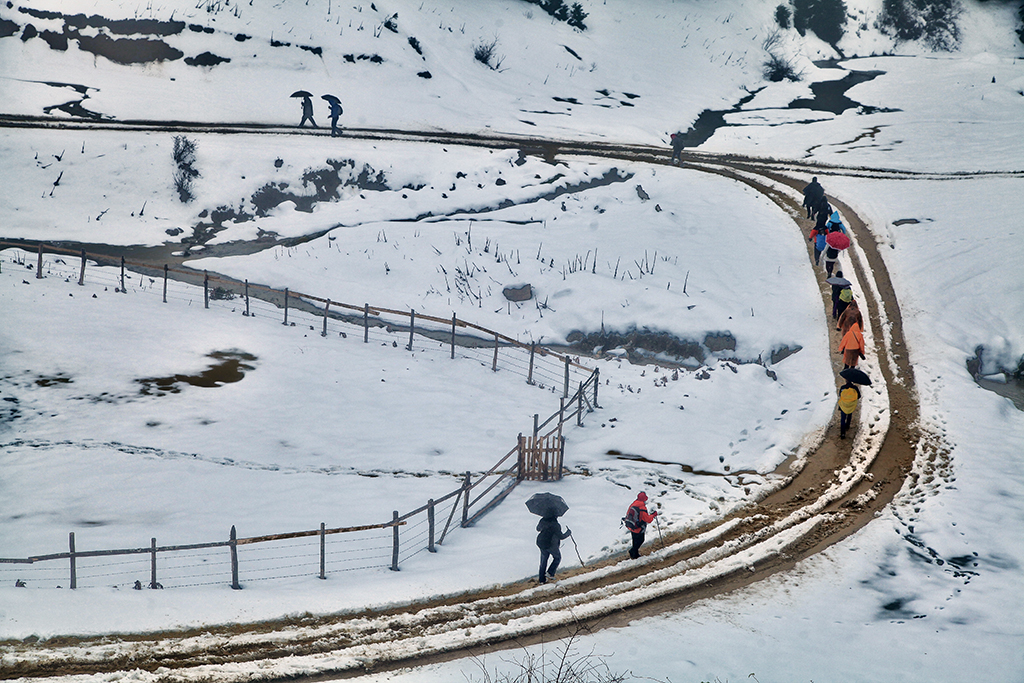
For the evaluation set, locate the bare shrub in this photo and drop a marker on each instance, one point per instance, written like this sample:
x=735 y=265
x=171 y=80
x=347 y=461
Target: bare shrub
x=486 y=54
x=185 y=172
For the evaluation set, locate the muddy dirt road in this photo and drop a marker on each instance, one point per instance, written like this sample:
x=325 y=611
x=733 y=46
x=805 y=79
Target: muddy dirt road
x=836 y=489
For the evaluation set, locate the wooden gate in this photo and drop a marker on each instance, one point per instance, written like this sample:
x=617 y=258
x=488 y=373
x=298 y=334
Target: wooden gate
x=540 y=457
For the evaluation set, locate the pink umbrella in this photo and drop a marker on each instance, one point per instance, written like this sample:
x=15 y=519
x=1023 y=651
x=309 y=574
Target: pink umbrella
x=837 y=240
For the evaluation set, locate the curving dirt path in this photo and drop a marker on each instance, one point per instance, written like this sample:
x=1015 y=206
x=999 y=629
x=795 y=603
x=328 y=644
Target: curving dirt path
x=831 y=490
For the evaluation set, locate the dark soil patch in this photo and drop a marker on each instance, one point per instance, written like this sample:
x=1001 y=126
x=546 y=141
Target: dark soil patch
x=231 y=367
x=8 y=28
x=206 y=59
x=127 y=50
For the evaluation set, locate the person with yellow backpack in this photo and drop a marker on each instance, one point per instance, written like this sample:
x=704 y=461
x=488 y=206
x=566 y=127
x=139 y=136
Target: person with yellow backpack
x=849 y=395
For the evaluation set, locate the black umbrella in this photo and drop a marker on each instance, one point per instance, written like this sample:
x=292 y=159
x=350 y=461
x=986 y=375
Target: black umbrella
x=839 y=281
x=330 y=98
x=301 y=93
x=547 y=505
x=856 y=375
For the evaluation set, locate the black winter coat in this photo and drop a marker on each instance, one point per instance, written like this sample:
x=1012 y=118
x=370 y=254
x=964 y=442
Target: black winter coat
x=550 y=536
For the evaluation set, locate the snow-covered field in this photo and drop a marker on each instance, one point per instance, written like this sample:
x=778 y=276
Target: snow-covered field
x=327 y=429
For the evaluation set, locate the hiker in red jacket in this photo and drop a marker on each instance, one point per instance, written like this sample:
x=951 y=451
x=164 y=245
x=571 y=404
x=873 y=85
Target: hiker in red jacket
x=637 y=518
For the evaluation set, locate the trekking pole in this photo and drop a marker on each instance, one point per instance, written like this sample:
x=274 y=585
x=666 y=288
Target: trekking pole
x=661 y=538
x=582 y=564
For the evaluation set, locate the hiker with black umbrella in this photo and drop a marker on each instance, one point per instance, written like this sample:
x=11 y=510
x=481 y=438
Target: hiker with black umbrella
x=549 y=537
x=849 y=395
x=637 y=518
x=307 y=107
x=335 y=111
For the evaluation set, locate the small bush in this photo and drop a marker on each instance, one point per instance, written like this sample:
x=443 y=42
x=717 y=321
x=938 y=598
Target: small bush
x=1020 y=26
x=571 y=14
x=415 y=43
x=778 y=69
x=825 y=17
x=932 y=21
x=185 y=173
x=486 y=53
x=783 y=16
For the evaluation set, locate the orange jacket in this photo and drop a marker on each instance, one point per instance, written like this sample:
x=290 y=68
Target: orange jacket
x=852 y=340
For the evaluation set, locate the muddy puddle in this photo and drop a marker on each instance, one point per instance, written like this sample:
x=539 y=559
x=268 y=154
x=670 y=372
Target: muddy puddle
x=1007 y=383
x=231 y=366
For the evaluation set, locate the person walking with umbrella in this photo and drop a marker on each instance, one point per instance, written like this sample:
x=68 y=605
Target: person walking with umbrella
x=335 y=111
x=849 y=395
x=307 y=107
x=637 y=518
x=838 y=283
x=549 y=532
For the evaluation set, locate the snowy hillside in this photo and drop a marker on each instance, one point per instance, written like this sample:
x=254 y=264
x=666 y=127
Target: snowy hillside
x=924 y=146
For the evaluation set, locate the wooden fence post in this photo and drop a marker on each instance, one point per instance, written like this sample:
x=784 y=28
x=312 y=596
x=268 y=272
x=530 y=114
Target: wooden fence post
x=536 y=418
x=234 y=559
x=81 y=274
x=533 y=350
x=579 y=407
x=39 y=263
x=561 y=411
x=561 y=456
x=565 y=391
x=412 y=327
x=165 y=283
x=152 y=563
x=394 y=535
x=430 y=526
x=366 y=323
x=123 y=291
x=465 y=500
x=494 y=364
x=323 y=552
x=74 y=573
x=285 y=306
x=521 y=473
x=597 y=382
x=206 y=289
x=453 y=336
x=327 y=308
x=246 y=298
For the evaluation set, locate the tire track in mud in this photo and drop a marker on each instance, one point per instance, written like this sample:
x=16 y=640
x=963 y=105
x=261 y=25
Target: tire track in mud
x=835 y=489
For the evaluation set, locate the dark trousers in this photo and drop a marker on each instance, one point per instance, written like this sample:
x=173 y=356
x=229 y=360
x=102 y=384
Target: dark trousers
x=334 y=127
x=838 y=307
x=556 y=558
x=638 y=540
x=844 y=423
x=817 y=255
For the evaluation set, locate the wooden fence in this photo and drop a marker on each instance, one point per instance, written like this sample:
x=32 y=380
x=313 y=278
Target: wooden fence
x=539 y=456
x=540 y=365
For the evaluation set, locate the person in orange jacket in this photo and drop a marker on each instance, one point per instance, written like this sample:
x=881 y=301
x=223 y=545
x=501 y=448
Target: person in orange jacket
x=848 y=318
x=637 y=518
x=852 y=346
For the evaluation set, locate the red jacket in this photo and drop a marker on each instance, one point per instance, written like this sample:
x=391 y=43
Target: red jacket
x=637 y=517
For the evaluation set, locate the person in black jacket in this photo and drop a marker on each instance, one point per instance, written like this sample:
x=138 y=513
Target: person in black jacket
x=548 y=540
x=813 y=195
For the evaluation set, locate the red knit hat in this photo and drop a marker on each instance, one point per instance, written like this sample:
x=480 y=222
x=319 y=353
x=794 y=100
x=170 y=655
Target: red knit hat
x=641 y=496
